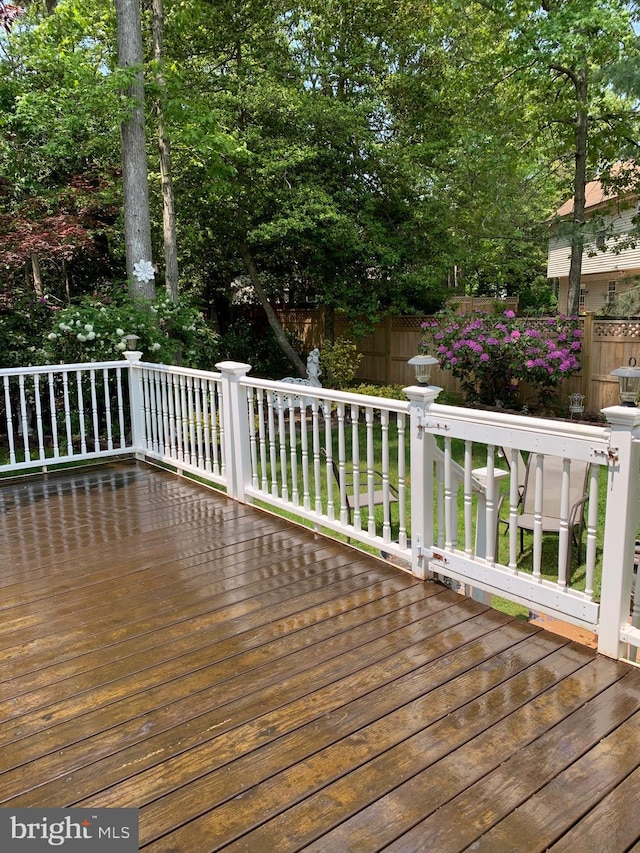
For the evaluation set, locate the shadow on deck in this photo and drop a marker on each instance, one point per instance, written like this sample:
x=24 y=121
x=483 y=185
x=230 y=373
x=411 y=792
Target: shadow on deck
x=252 y=686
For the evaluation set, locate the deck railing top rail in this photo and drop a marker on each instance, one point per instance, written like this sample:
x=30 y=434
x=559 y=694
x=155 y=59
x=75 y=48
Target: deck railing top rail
x=41 y=369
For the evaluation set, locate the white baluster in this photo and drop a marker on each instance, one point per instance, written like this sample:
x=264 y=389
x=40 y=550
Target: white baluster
x=263 y=440
x=448 y=506
x=402 y=485
x=386 y=498
x=39 y=429
x=282 y=444
x=514 y=501
x=371 y=519
x=355 y=461
x=107 y=407
x=564 y=534
x=206 y=422
x=272 y=445
x=467 y=500
x=24 y=419
x=328 y=449
x=184 y=414
x=538 y=503
x=199 y=425
x=81 y=413
x=213 y=419
x=164 y=405
x=251 y=409
x=592 y=525
x=192 y=426
x=304 y=454
x=120 y=400
x=342 y=473
x=293 y=445
x=53 y=413
x=94 y=410
x=9 y=413
x=174 y=428
x=67 y=412
x=317 y=488
x=146 y=396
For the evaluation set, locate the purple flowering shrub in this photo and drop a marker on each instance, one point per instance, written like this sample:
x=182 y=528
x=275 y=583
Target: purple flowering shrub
x=489 y=354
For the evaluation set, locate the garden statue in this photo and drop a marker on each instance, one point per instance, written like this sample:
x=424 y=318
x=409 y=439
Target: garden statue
x=313 y=367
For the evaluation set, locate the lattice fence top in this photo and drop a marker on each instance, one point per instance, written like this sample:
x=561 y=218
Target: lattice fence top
x=409 y=322
x=616 y=329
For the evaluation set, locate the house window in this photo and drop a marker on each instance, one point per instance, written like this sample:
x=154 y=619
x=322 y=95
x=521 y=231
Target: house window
x=599 y=231
x=611 y=289
x=583 y=293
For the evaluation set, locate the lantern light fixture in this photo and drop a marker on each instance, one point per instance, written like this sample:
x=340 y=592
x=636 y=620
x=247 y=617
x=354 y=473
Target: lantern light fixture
x=422 y=365
x=629 y=379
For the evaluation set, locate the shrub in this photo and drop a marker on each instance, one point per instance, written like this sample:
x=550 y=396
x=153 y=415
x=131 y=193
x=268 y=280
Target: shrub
x=392 y=392
x=490 y=353
x=21 y=340
x=339 y=362
x=95 y=329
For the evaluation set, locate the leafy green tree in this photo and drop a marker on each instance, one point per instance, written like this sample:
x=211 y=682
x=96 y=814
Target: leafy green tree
x=564 y=49
x=58 y=144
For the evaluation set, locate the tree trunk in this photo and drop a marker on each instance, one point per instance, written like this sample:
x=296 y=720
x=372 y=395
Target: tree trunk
x=67 y=281
x=37 y=274
x=579 y=184
x=137 y=223
x=164 y=149
x=281 y=338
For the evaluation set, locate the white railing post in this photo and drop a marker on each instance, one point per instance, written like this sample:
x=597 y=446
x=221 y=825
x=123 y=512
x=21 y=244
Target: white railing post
x=620 y=528
x=136 y=402
x=421 y=449
x=236 y=428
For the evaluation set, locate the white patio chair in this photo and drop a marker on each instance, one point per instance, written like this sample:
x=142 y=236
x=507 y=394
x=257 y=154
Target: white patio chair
x=551 y=520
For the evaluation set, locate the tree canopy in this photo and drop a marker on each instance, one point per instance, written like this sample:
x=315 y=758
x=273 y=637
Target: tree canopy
x=366 y=154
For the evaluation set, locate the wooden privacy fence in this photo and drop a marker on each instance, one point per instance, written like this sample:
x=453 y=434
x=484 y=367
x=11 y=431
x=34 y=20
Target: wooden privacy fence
x=607 y=344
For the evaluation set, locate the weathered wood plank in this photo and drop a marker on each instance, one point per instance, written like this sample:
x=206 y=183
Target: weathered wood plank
x=439 y=762
x=250 y=685
x=604 y=785
x=308 y=758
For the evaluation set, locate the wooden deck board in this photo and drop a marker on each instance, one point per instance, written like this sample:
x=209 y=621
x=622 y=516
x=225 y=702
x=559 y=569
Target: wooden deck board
x=251 y=686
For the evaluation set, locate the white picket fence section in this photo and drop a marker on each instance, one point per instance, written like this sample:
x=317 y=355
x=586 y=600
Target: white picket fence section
x=380 y=473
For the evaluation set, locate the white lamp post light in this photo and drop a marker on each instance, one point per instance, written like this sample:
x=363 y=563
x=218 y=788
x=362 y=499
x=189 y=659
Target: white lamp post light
x=422 y=365
x=629 y=379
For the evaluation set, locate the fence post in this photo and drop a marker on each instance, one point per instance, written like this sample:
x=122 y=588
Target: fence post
x=136 y=402
x=421 y=450
x=587 y=350
x=236 y=428
x=620 y=528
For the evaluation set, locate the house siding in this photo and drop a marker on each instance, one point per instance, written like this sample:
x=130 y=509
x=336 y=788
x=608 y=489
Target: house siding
x=594 y=260
x=598 y=267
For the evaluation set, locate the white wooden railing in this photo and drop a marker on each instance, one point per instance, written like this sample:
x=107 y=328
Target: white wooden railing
x=380 y=473
x=64 y=413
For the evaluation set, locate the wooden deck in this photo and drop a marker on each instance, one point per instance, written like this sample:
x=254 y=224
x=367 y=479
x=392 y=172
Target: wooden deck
x=253 y=687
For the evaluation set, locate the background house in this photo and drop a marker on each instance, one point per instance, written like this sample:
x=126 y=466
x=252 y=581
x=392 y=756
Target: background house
x=609 y=265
